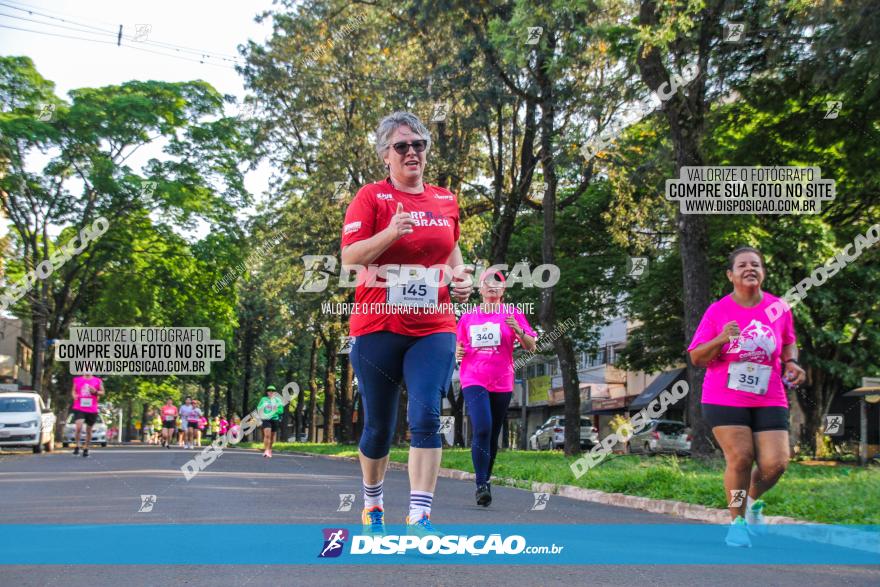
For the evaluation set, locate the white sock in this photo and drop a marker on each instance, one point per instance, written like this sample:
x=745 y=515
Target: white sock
x=749 y=503
x=373 y=495
x=419 y=504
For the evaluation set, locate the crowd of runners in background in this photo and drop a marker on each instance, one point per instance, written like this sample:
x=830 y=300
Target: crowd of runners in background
x=185 y=426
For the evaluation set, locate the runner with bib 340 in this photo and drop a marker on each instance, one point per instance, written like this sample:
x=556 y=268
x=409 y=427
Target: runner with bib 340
x=746 y=356
x=404 y=333
x=485 y=346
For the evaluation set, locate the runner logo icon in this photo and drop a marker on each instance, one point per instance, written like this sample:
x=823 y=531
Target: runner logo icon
x=334 y=540
x=147 y=503
x=346 y=500
x=541 y=500
x=737 y=497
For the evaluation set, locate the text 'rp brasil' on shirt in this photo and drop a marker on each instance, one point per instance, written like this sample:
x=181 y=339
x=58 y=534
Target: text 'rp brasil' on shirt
x=434 y=236
x=760 y=343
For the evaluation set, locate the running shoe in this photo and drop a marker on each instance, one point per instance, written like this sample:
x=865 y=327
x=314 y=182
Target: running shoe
x=738 y=534
x=421 y=527
x=755 y=518
x=266 y=453
x=269 y=453
x=484 y=495
x=85 y=452
x=76 y=451
x=373 y=520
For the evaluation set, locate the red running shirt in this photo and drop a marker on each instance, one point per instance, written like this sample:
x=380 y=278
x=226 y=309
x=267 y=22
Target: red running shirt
x=434 y=236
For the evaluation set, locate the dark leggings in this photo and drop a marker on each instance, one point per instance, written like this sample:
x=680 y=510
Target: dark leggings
x=425 y=363
x=487 y=410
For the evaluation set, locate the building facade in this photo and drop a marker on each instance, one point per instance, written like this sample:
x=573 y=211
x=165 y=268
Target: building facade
x=16 y=353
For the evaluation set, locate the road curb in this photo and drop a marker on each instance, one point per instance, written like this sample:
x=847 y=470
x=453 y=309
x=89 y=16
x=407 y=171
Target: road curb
x=811 y=531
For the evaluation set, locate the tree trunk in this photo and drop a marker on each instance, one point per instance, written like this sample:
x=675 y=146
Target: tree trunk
x=215 y=407
x=248 y=367
x=685 y=115
x=285 y=420
x=143 y=420
x=547 y=313
x=269 y=369
x=298 y=416
x=507 y=220
x=346 y=430
x=810 y=401
x=313 y=391
x=39 y=310
x=230 y=402
x=128 y=421
x=330 y=392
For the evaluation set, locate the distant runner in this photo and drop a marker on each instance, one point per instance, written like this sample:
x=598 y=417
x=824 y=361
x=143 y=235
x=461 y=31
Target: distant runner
x=200 y=425
x=270 y=409
x=189 y=420
x=157 y=427
x=169 y=422
x=86 y=389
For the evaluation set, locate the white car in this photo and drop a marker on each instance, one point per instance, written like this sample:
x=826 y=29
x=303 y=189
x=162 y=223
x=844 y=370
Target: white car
x=26 y=421
x=99 y=432
x=551 y=435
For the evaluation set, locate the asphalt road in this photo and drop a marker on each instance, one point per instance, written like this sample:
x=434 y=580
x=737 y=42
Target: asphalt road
x=243 y=488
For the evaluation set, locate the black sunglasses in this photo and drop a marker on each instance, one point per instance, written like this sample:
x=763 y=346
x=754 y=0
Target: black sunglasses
x=402 y=148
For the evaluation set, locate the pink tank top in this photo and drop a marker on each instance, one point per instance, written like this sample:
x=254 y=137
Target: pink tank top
x=86 y=389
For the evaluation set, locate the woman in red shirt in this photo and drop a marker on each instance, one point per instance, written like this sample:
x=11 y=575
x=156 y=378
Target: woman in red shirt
x=405 y=332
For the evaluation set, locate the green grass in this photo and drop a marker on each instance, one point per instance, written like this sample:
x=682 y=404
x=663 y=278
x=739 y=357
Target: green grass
x=842 y=494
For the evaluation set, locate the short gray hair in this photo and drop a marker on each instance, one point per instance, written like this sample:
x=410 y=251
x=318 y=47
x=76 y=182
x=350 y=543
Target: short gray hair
x=390 y=123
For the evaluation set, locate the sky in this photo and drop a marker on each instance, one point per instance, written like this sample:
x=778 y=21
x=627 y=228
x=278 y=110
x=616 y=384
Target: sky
x=204 y=30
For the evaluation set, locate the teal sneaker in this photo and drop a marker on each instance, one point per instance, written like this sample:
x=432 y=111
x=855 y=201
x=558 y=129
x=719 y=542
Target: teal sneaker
x=373 y=520
x=755 y=518
x=738 y=534
x=421 y=527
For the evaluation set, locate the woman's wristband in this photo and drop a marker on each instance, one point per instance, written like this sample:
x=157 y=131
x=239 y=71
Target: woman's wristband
x=795 y=361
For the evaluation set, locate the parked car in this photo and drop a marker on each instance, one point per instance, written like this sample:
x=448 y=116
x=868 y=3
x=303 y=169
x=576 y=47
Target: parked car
x=551 y=434
x=99 y=432
x=26 y=421
x=301 y=437
x=662 y=436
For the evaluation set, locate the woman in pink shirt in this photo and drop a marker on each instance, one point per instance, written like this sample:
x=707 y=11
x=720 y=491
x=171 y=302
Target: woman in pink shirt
x=485 y=338
x=86 y=390
x=748 y=351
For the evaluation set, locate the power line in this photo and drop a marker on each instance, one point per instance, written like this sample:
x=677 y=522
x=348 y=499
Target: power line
x=114 y=43
x=54 y=11
x=34 y=12
x=160 y=44
x=60 y=26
